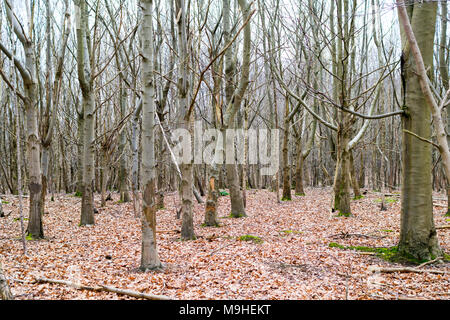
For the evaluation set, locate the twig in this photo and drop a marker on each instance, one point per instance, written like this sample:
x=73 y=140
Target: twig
x=167 y=231
x=344 y=235
x=411 y=298
x=220 y=248
x=422 y=138
x=429 y=262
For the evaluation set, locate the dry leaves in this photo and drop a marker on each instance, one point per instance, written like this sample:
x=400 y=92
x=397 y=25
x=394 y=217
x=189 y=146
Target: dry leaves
x=294 y=261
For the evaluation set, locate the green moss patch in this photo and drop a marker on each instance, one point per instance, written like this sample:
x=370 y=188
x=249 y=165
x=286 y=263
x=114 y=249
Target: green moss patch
x=344 y=214
x=18 y=219
x=249 y=237
x=235 y=216
x=386 y=200
x=291 y=232
x=389 y=254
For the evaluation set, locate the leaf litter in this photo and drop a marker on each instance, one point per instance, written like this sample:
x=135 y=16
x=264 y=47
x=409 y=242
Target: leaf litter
x=293 y=260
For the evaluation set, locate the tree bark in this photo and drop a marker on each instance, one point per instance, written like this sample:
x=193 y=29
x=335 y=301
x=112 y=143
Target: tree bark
x=286 y=168
x=342 y=174
x=149 y=253
x=185 y=120
x=86 y=85
x=418 y=237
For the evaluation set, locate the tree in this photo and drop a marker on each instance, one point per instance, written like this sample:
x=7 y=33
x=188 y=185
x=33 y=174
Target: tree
x=418 y=237
x=233 y=99
x=149 y=253
x=184 y=121
x=86 y=80
x=53 y=85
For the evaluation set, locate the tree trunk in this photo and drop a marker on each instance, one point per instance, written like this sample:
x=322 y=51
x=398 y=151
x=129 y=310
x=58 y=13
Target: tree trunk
x=104 y=176
x=299 y=190
x=87 y=201
x=149 y=253
x=123 y=172
x=418 y=237
x=286 y=168
x=86 y=85
x=80 y=128
x=35 y=225
x=354 y=179
x=187 y=172
x=342 y=175
x=237 y=201
x=233 y=99
x=443 y=68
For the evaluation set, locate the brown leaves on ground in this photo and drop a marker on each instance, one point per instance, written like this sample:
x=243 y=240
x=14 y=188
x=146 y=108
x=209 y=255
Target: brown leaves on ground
x=293 y=261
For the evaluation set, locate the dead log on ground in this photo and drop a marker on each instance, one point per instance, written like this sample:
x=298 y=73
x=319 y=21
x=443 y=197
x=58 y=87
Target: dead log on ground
x=99 y=288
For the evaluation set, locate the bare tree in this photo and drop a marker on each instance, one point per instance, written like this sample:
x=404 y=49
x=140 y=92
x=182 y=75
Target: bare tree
x=149 y=254
x=85 y=78
x=30 y=100
x=418 y=237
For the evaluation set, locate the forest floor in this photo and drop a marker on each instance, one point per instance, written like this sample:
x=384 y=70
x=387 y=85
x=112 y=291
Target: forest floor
x=292 y=260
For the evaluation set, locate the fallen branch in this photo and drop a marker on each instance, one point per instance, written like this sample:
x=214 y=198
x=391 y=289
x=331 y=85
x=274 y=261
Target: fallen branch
x=445 y=226
x=429 y=262
x=220 y=248
x=167 y=231
x=411 y=298
x=417 y=269
x=344 y=235
x=130 y=293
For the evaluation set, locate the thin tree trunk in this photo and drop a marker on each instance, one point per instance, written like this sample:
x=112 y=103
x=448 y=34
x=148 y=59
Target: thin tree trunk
x=86 y=85
x=342 y=174
x=185 y=120
x=149 y=254
x=286 y=168
x=443 y=68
